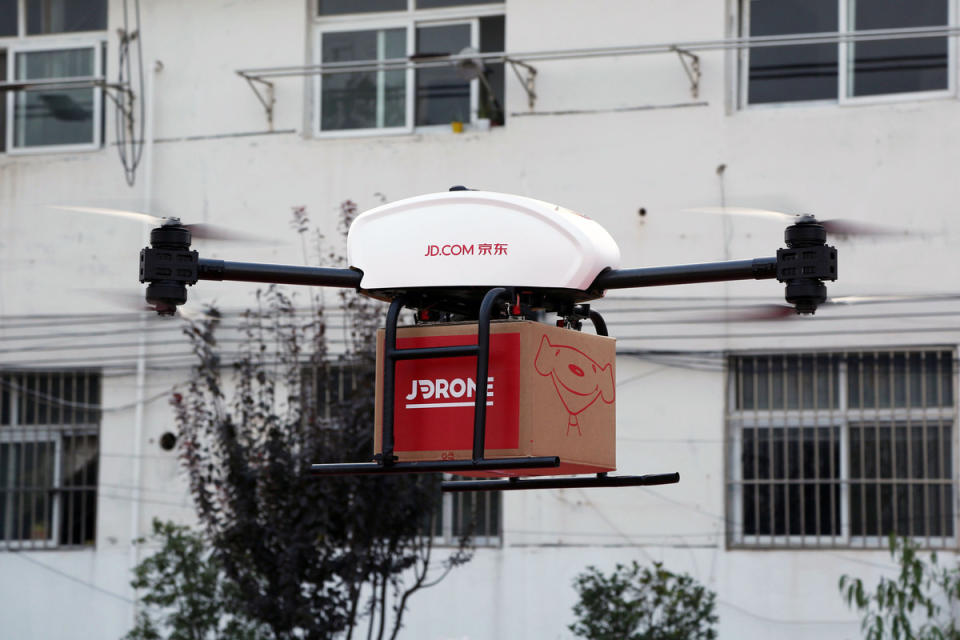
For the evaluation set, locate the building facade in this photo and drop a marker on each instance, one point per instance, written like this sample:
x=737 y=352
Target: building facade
x=801 y=443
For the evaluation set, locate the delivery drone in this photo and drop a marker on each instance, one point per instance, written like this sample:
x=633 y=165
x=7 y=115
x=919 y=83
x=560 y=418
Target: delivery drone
x=478 y=256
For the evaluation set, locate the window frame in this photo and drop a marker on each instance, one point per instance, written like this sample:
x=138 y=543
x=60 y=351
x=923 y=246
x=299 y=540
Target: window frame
x=447 y=537
x=13 y=431
x=56 y=42
x=409 y=19
x=845 y=70
x=842 y=416
x=35 y=434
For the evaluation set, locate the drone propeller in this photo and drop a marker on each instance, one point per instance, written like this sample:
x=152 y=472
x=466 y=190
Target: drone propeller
x=762 y=312
x=836 y=226
x=133 y=301
x=200 y=231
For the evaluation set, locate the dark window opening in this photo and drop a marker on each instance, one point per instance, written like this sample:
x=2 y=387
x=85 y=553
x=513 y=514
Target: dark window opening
x=794 y=72
x=65 y=16
x=9 y=17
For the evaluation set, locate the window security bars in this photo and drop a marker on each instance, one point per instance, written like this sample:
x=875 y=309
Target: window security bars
x=49 y=455
x=841 y=449
x=469 y=513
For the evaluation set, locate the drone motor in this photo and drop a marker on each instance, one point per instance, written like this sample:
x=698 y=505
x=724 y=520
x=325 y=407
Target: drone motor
x=168 y=265
x=806 y=262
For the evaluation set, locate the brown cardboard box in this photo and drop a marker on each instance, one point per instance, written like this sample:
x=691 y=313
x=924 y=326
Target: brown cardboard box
x=550 y=393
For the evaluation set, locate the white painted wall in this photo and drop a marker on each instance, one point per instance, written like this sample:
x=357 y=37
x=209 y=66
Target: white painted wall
x=215 y=161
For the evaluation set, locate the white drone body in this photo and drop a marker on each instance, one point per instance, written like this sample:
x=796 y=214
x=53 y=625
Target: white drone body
x=458 y=239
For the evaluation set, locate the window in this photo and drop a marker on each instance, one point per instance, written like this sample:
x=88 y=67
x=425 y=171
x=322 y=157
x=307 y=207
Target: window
x=45 y=118
x=469 y=513
x=397 y=99
x=841 y=449
x=49 y=451
x=843 y=71
x=478 y=514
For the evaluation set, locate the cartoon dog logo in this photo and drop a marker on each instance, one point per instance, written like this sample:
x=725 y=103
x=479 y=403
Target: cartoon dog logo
x=578 y=378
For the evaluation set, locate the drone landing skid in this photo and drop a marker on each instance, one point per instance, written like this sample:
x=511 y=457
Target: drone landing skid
x=520 y=484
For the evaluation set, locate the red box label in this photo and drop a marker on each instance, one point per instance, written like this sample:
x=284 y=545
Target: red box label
x=434 y=398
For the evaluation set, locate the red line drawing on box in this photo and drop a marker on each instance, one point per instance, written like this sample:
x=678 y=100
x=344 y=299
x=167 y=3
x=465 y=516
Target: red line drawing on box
x=578 y=378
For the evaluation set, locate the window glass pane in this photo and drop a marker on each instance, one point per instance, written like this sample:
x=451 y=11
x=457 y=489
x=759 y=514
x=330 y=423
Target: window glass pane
x=26 y=476
x=492 y=92
x=806 y=462
x=58 y=63
x=8 y=17
x=807 y=381
x=793 y=72
x=898 y=380
x=60 y=16
x=3 y=142
x=79 y=482
x=443 y=96
x=6 y=398
x=365 y=99
x=905 y=484
x=429 y=4
x=6 y=497
x=897 y=66
x=335 y=7
x=54 y=116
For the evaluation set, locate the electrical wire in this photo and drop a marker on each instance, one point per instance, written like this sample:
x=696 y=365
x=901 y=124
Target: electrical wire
x=23 y=556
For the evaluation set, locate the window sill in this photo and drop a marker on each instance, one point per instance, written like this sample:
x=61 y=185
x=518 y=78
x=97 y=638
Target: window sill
x=51 y=149
x=862 y=101
x=429 y=130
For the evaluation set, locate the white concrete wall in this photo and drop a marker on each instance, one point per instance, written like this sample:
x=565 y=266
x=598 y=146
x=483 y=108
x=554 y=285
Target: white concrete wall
x=214 y=160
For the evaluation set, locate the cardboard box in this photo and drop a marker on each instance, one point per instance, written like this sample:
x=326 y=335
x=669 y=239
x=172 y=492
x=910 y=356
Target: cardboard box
x=551 y=392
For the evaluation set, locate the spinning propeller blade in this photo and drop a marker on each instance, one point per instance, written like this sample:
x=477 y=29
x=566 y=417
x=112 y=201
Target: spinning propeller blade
x=756 y=313
x=836 y=226
x=133 y=301
x=199 y=231
x=145 y=218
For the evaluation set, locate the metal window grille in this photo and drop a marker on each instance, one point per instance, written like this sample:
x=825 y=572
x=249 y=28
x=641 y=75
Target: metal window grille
x=324 y=387
x=476 y=514
x=49 y=458
x=841 y=449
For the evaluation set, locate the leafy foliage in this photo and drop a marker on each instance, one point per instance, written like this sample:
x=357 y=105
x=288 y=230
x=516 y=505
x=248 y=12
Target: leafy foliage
x=643 y=603
x=916 y=605
x=310 y=557
x=186 y=593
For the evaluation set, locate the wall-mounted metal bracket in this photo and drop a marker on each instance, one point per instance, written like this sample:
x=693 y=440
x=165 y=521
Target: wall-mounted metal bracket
x=527 y=79
x=691 y=64
x=81 y=82
x=119 y=93
x=266 y=96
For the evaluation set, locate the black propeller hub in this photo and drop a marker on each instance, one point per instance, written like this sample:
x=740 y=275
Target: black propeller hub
x=805 y=264
x=168 y=265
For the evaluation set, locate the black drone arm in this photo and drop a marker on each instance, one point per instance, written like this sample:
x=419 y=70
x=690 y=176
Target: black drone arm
x=803 y=266
x=278 y=273
x=756 y=269
x=168 y=265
